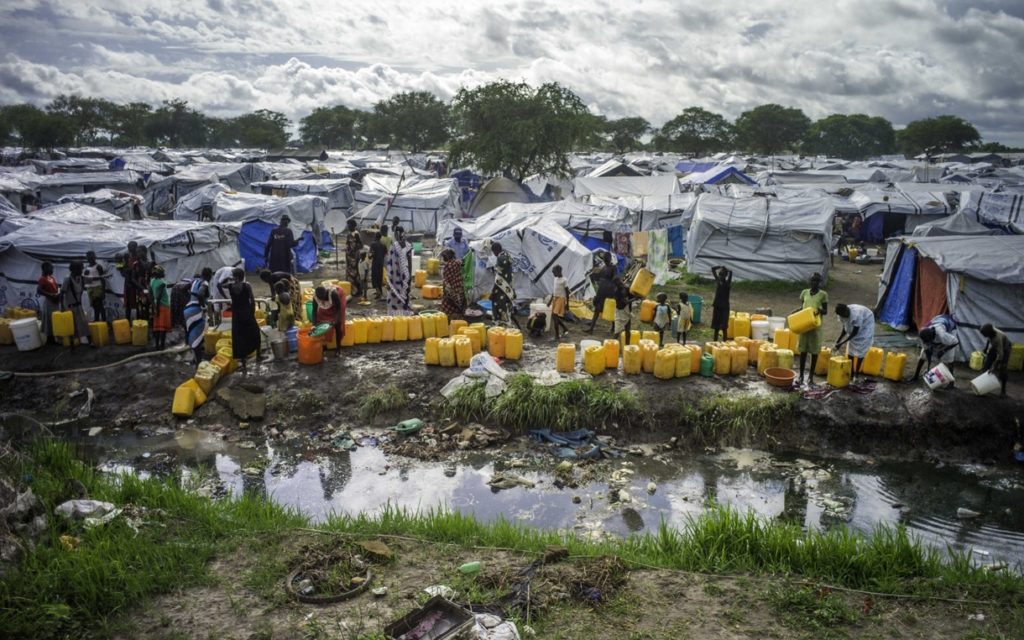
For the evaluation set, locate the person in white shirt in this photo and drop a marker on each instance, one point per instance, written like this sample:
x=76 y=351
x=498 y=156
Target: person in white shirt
x=96 y=274
x=458 y=244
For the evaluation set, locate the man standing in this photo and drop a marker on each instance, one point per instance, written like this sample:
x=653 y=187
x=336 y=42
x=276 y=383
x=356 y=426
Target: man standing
x=997 y=354
x=457 y=244
x=353 y=248
x=278 y=254
x=96 y=275
x=720 y=306
x=810 y=341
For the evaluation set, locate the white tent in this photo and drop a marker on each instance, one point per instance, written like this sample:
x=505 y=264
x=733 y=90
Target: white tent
x=1003 y=210
x=536 y=246
x=420 y=204
x=182 y=248
x=338 y=193
x=583 y=219
x=126 y=206
x=51 y=188
x=653 y=212
x=761 y=238
x=983 y=282
x=259 y=214
x=625 y=186
x=162 y=195
x=494 y=193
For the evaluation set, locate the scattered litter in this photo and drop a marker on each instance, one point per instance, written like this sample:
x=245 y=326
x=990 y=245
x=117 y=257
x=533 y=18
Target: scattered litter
x=379 y=592
x=980 y=617
x=436 y=619
x=377 y=549
x=95 y=431
x=964 y=513
x=81 y=509
x=470 y=568
x=70 y=542
x=651 y=488
x=444 y=591
x=491 y=627
x=505 y=480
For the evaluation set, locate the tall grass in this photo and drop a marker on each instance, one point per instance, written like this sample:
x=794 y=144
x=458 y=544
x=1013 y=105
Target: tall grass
x=382 y=401
x=526 y=405
x=735 y=420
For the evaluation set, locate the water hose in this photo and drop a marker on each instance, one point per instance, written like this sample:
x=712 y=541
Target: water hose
x=138 y=356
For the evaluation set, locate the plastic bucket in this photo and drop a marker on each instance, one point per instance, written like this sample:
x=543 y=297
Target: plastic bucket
x=985 y=384
x=775 y=323
x=280 y=348
x=938 y=377
x=759 y=330
x=696 y=302
x=26 y=334
x=292 y=338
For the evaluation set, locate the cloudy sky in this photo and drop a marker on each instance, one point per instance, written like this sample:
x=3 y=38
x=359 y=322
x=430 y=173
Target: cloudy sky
x=901 y=59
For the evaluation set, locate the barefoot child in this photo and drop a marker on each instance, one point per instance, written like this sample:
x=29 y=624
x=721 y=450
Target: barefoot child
x=559 y=302
x=662 y=317
x=684 y=317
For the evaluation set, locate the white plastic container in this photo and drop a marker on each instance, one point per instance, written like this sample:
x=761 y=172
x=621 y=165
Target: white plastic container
x=539 y=306
x=589 y=343
x=938 y=377
x=416 y=260
x=774 y=323
x=985 y=384
x=26 y=334
x=760 y=330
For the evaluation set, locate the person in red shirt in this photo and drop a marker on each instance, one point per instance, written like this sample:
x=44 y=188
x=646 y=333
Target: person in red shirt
x=48 y=289
x=330 y=308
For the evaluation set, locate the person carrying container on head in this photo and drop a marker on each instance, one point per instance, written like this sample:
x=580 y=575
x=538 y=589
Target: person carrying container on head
x=810 y=341
x=858 y=332
x=939 y=341
x=997 y=354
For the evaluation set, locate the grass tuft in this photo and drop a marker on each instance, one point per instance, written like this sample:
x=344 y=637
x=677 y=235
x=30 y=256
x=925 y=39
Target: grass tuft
x=566 y=406
x=735 y=420
x=382 y=401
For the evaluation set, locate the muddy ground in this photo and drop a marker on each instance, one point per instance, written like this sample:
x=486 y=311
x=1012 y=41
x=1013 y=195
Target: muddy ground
x=901 y=420
x=246 y=599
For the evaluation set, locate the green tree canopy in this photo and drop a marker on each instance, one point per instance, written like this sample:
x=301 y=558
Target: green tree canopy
x=624 y=134
x=89 y=118
x=414 y=120
x=175 y=124
x=695 y=131
x=853 y=137
x=771 y=128
x=30 y=126
x=332 y=127
x=941 y=134
x=263 y=128
x=514 y=130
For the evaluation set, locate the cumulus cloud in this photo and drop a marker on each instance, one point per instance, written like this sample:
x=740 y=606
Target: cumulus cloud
x=895 y=58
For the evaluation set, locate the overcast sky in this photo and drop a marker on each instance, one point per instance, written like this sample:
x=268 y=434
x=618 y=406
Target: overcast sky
x=901 y=59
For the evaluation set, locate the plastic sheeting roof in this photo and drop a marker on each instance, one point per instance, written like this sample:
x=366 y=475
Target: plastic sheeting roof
x=1005 y=210
x=985 y=258
x=573 y=216
x=306 y=212
x=716 y=175
x=626 y=186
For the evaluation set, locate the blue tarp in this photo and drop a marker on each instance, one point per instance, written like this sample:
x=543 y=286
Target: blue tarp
x=596 y=243
x=253 y=241
x=695 y=167
x=582 y=443
x=873 y=228
x=896 y=311
x=676 y=238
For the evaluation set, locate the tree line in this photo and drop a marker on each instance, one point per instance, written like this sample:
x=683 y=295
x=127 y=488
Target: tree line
x=504 y=127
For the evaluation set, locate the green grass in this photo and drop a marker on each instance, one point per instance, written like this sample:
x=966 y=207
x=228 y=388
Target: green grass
x=735 y=420
x=382 y=401
x=58 y=593
x=805 y=608
x=526 y=405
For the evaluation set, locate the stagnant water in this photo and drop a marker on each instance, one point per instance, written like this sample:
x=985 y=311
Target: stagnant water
x=814 y=492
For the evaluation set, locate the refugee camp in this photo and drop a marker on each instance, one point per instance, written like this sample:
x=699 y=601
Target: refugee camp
x=522 y=320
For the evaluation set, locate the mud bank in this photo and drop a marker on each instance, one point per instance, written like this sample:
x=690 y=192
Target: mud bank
x=884 y=419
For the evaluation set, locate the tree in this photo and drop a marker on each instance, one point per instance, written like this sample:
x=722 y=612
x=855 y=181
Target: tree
x=414 y=120
x=175 y=124
x=332 y=127
x=695 y=131
x=128 y=124
x=514 y=130
x=89 y=118
x=624 y=134
x=940 y=134
x=32 y=127
x=263 y=129
x=771 y=128
x=852 y=137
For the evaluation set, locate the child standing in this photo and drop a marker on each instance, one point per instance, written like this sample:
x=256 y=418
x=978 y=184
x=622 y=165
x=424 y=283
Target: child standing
x=559 y=302
x=684 y=317
x=623 y=309
x=161 y=307
x=662 y=317
x=285 y=312
x=365 y=272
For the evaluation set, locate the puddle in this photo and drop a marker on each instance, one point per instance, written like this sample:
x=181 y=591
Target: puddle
x=813 y=493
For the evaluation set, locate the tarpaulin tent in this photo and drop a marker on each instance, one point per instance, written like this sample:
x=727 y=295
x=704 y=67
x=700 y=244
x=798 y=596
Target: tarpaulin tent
x=338 y=193
x=625 y=186
x=536 y=246
x=896 y=211
x=977 y=279
x=259 y=214
x=182 y=248
x=761 y=238
x=51 y=188
x=583 y=219
x=162 y=195
x=654 y=212
x=496 y=192
x=723 y=174
x=995 y=210
x=126 y=206
x=420 y=204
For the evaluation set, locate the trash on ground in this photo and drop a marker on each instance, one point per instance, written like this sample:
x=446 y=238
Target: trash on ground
x=444 y=591
x=965 y=514
x=438 y=618
x=505 y=480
